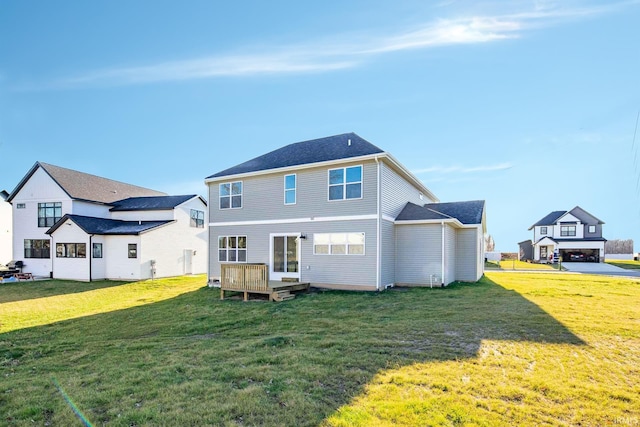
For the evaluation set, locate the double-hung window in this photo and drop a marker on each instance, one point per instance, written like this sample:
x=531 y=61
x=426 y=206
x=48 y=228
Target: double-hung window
x=345 y=183
x=567 y=230
x=543 y=230
x=290 y=189
x=231 y=195
x=197 y=218
x=49 y=213
x=232 y=248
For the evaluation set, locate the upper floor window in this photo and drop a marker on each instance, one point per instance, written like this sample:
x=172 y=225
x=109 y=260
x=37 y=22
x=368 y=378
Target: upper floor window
x=49 y=213
x=592 y=229
x=543 y=230
x=231 y=195
x=37 y=248
x=290 y=189
x=20 y=205
x=197 y=218
x=567 y=230
x=71 y=250
x=345 y=183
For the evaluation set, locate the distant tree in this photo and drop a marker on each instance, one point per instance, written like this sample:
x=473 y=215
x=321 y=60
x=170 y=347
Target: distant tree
x=489 y=244
x=619 y=246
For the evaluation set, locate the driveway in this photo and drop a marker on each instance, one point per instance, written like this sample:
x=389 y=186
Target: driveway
x=598 y=268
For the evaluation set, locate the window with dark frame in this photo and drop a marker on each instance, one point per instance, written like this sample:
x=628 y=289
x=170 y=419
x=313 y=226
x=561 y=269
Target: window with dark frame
x=20 y=205
x=36 y=248
x=197 y=218
x=49 y=213
x=133 y=250
x=543 y=230
x=71 y=250
x=567 y=230
x=97 y=250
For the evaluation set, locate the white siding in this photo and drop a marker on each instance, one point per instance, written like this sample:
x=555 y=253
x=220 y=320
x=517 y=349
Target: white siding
x=118 y=266
x=450 y=254
x=157 y=215
x=90 y=209
x=6 y=232
x=70 y=268
x=98 y=265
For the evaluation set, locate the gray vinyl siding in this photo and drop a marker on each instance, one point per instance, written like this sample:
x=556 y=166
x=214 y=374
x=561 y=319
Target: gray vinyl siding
x=418 y=253
x=397 y=191
x=388 y=251
x=467 y=255
x=450 y=254
x=263 y=196
x=348 y=270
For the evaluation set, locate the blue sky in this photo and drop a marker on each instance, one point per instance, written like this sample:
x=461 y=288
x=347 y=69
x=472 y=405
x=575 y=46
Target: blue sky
x=529 y=105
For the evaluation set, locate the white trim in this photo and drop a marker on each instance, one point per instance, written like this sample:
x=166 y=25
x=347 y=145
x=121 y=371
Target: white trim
x=231 y=195
x=437 y=221
x=295 y=189
x=388 y=218
x=295 y=220
x=277 y=275
x=346 y=245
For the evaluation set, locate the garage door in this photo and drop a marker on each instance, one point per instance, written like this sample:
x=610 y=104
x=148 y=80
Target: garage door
x=580 y=255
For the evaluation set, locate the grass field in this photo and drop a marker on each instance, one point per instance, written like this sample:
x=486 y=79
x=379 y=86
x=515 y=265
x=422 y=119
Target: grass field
x=628 y=264
x=518 y=265
x=514 y=349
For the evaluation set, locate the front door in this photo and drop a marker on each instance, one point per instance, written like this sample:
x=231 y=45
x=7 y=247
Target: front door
x=285 y=256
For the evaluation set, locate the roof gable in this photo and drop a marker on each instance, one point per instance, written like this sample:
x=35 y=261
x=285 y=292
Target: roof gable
x=471 y=212
x=87 y=187
x=585 y=216
x=101 y=226
x=550 y=219
x=155 y=203
x=337 y=147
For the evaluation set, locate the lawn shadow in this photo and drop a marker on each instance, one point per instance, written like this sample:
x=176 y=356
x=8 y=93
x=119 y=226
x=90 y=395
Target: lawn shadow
x=28 y=290
x=292 y=363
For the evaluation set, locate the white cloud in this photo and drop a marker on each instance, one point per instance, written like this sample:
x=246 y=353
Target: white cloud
x=347 y=51
x=464 y=169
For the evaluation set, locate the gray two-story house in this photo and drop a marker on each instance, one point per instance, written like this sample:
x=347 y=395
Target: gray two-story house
x=339 y=212
x=572 y=236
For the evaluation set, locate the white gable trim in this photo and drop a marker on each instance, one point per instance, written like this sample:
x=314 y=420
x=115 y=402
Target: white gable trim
x=568 y=217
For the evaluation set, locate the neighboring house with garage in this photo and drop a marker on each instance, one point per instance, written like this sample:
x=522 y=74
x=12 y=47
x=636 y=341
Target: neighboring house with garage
x=575 y=235
x=339 y=212
x=73 y=225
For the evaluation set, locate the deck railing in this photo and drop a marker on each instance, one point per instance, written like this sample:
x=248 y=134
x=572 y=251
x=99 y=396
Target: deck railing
x=244 y=277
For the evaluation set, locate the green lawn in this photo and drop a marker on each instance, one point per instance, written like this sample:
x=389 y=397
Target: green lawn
x=628 y=264
x=514 y=349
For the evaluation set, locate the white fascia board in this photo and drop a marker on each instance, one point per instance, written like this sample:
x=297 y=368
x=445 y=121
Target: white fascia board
x=293 y=168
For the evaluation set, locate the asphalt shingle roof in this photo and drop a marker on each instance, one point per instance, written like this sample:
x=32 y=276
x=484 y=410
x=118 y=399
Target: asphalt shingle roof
x=549 y=219
x=306 y=152
x=93 y=225
x=84 y=186
x=156 y=203
x=466 y=212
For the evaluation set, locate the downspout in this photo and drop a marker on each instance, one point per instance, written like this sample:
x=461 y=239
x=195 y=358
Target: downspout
x=90 y=256
x=378 y=246
x=443 y=254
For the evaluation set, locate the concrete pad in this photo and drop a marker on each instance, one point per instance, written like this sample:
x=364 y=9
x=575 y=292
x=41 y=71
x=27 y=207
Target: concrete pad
x=598 y=268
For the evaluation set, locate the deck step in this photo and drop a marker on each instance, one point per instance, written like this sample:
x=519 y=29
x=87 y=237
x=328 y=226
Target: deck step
x=283 y=295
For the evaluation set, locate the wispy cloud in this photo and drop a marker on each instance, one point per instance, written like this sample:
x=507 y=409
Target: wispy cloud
x=463 y=169
x=347 y=51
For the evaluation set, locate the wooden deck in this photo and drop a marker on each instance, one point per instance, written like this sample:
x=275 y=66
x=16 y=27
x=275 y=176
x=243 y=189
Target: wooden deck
x=254 y=279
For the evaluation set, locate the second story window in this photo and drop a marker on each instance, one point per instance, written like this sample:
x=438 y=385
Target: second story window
x=567 y=230
x=345 y=183
x=49 y=213
x=231 y=195
x=543 y=230
x=290 y=189
x=592 y=229
x=197 y=218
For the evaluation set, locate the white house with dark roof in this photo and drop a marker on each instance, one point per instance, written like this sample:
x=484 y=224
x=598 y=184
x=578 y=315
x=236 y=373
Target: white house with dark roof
x=575 y=235
x=339 y=212
x=73 y=225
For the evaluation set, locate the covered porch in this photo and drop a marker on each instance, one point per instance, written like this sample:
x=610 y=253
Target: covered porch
x=254 y=279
